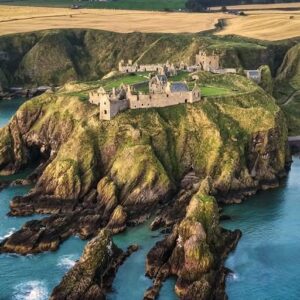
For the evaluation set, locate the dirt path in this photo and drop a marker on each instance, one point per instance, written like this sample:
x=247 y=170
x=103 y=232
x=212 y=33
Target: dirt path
x=291 y=97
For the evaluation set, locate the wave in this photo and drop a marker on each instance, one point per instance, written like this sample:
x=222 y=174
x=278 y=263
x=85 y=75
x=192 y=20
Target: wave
x=10 y=232
x=31 y=290
x=67 y=262
x=233 y=276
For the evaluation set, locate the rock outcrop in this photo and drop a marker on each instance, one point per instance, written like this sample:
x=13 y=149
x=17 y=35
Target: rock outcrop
x=91 y=277
x=194 y=252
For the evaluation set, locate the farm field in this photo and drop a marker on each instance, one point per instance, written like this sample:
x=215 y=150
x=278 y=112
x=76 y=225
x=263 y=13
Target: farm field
x=271 y=25
x=265 y=25
x=16 y=19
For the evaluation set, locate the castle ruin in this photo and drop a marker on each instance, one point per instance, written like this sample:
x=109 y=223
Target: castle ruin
x=162 y=93
x=208 y=62
x=130 y=67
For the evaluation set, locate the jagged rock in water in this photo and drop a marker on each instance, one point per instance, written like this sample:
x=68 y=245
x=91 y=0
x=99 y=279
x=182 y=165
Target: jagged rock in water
x=91 y=276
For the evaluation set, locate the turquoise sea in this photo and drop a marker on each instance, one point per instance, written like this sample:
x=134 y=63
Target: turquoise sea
x=265 y=263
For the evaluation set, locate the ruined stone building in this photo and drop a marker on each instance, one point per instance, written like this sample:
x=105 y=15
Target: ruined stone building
x=110 y=103
x=162 y=93
x=130 y=67
x=208 y=62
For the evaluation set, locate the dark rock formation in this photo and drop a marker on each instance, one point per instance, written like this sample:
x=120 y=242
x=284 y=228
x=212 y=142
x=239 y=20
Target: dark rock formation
x=194 y=252
x=92 y=275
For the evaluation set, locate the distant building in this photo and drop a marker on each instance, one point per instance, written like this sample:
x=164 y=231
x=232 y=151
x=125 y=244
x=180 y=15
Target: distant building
x=254 y=75
x=162 y=93
x=208 y=62
x=130 y=67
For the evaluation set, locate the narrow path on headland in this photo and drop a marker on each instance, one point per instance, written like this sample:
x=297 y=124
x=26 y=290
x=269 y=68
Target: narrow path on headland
x=38 y=17
x=291 y=97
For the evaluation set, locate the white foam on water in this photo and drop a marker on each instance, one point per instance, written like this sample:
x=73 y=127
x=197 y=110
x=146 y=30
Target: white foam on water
x=8 y=234
x=31 y=290
x=67 y=262
x=233 y=277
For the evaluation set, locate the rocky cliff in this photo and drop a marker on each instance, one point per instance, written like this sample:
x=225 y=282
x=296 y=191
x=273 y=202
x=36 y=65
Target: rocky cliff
x=175 y=162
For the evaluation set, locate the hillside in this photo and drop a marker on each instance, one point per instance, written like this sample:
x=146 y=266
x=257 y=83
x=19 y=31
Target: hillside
x=55 y=57
x=111 y=174
x=287 y=88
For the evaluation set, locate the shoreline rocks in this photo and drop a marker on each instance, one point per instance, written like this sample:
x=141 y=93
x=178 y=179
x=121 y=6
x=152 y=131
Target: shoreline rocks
x=91 y=277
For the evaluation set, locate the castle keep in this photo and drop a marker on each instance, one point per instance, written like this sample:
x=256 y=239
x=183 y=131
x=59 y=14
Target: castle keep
x=162 y=93
x=208 y=62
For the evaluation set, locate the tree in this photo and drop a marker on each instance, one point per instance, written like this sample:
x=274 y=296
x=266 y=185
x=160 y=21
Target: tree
x=197 y=5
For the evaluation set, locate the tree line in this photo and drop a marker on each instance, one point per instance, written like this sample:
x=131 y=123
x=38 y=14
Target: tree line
x=200 y=5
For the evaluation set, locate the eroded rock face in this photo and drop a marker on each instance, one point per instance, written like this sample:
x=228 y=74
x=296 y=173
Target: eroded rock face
x=92 y=275
x=194 y=252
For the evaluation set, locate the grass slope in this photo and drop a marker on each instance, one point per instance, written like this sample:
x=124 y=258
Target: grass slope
x=58 y=56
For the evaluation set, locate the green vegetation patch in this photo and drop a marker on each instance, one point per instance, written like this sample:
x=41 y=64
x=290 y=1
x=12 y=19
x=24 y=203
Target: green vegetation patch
x=292 y=113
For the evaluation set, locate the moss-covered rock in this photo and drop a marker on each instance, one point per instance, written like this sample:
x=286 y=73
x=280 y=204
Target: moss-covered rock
x=117 y=222
x=266 y=79
x=84 y=278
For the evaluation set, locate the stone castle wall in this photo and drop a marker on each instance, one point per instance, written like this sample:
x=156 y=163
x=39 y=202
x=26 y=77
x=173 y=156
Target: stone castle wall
x=162 y=100
x=95 y=98
x=109 y=109
x=132 y=68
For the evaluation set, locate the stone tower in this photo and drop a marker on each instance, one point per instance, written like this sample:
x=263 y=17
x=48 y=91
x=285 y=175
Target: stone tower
x=208 y=62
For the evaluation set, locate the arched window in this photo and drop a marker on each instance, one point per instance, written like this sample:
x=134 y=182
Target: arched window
x=105 y=112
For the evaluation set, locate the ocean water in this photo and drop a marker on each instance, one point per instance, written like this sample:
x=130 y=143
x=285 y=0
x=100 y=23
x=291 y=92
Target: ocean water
x=266 y=263
x=8 y=108
x=31 y=277
x=130 y=282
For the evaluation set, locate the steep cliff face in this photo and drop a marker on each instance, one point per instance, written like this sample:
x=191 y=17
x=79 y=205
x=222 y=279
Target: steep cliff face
x=290 y=68
x=107 y=174
x=287 y=88
x=57 y=56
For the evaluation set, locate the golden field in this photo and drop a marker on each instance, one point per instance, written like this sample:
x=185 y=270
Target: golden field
x=268 y=25
x=14 y=19
x=260 y=24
